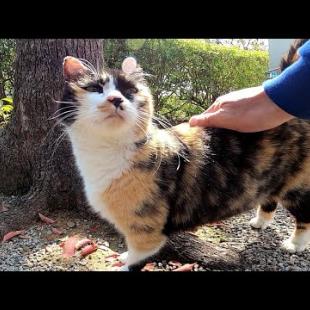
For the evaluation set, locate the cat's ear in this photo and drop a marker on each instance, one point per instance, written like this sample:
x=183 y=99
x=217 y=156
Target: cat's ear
x=73 y=68
x=130 y=65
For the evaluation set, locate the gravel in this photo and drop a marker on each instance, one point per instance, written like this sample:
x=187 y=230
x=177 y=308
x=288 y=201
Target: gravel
x=39 y=249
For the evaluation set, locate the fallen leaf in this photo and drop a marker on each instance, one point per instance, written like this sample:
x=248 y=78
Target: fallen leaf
x=217 y=224
x=3 y=208
x=113 y=255
x=175 y=263
x=110 y=259
x=88 y=249
x=186 y=267
x=118 y=264
x=56 y=231
x=46 y=219
x=103 y=248
x=68 y=246
x=12 y=234
x=82 y=243
x=149 y=267
x=93 y=228
x=24 y=237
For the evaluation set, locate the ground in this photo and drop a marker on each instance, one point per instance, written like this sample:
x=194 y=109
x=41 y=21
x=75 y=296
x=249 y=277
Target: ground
x=38 y=249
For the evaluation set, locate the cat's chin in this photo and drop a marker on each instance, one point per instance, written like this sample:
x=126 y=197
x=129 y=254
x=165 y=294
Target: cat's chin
x=110 y=120
x=115 y=125
x=114 y=117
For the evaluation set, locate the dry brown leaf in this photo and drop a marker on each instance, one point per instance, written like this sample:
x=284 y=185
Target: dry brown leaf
x=57 y=231
x=68 y=246
x=3 y=208
x=46 y=219
x=216 y=224
x=93 y=228
x=110 y=259
x=186 y=267
x=113 y=255
x=118 y=264
x=12 y=234
x=104 y=248
x=82 y=243
x=149 y=267
x=88 y=249
x=24 y=237
x=175 y=263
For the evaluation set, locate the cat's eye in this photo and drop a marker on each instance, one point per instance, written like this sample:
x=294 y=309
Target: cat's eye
x=132 y=90
x=94 y=88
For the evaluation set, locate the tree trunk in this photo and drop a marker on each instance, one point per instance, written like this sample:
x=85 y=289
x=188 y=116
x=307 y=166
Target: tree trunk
x=188 y=248
x=36 y=162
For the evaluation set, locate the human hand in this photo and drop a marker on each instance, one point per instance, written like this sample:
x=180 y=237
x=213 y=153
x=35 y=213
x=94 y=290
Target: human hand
x=246 y=110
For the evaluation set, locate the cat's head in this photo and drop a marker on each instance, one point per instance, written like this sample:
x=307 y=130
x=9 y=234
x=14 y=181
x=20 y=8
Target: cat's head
x=112 y=102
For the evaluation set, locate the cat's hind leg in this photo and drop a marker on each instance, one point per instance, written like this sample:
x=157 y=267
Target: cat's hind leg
x=298 y=204
x=299 y=239
x=264 y=215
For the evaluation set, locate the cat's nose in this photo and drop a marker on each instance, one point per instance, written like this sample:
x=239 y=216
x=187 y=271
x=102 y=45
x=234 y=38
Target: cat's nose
x=115 y=100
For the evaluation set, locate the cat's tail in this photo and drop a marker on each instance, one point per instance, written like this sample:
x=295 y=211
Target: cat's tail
x=291 y=56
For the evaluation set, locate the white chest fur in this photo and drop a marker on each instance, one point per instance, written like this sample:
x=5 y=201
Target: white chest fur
x=99 y=163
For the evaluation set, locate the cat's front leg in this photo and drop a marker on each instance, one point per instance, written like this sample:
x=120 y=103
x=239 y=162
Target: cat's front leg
x=123 y=257
x=140 y=248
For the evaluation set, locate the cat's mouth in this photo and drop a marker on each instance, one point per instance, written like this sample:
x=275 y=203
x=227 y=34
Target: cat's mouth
x=114 y=115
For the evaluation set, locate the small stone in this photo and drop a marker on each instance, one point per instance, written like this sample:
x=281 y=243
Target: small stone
x=71 y=224
x=293 y=258
x=49 y=250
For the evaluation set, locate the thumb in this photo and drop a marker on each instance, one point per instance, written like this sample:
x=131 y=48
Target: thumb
x=204 y=120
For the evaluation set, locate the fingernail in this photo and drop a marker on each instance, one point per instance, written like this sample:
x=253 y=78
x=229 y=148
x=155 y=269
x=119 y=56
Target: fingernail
x=193 y=121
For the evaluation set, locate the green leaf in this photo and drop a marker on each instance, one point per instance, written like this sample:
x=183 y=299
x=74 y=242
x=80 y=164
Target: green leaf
x=7 y=99
x=135 y=44
x=189 y=74
x=7 y=108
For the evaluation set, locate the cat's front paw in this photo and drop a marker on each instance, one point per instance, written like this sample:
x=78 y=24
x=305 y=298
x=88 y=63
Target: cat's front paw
x=119 y=268
x=124 y=268
x=123 y=257
x=291 y=247
x=259 y=223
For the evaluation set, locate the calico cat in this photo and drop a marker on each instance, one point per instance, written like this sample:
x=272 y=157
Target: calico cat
x=150 y=182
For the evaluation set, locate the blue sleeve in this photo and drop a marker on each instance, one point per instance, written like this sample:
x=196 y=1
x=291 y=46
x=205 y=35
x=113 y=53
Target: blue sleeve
x=291 y=89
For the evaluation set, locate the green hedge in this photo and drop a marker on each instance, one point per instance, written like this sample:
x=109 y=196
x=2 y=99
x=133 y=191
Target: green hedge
x=188 y=75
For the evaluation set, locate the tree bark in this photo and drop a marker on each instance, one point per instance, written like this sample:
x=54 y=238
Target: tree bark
x=36 y=162
x=188 y=248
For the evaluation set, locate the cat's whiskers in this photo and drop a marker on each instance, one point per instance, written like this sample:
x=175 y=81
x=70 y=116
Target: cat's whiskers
x=61 y=114
x=176 y=151
x=58 y=122
x=63 y=108
x=62 y=136
x=163 y=123
x=58 y=142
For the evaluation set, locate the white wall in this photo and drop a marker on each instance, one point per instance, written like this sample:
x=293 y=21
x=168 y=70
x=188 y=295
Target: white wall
x=277 y=48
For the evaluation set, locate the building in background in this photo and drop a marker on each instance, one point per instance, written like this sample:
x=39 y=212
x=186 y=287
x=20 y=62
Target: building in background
x=277 y=48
